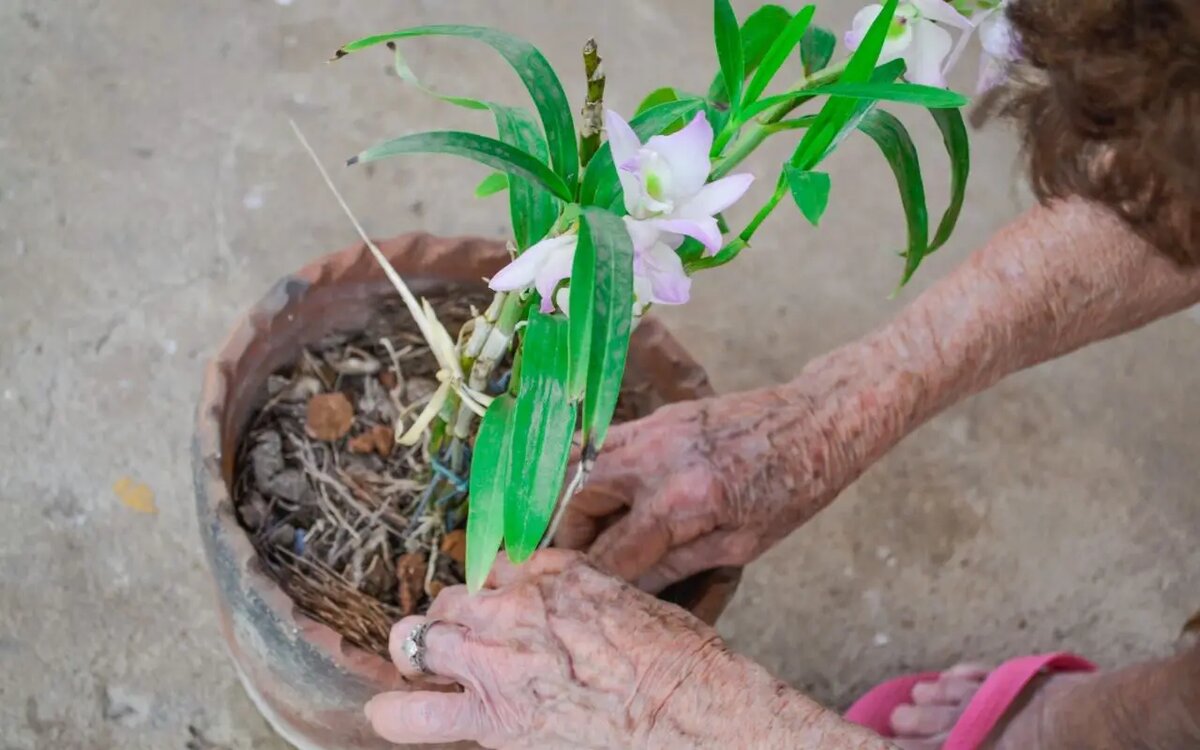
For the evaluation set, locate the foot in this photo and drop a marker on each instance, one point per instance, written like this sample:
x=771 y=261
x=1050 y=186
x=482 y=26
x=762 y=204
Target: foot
x=1059 y=712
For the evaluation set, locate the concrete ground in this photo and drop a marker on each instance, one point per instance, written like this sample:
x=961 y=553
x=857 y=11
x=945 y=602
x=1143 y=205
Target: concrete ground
x=150 y=190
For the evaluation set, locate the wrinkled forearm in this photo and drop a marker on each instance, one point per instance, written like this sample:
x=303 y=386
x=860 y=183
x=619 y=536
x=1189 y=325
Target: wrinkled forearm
x=1055 y=280
x=733 y=702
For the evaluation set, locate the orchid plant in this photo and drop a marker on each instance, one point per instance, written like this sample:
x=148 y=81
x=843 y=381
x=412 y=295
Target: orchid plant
x=605 y=229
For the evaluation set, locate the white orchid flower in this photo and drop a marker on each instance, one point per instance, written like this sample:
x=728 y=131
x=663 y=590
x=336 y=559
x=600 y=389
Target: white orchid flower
x=666 y=179
x=543 y=267
x=914 y=36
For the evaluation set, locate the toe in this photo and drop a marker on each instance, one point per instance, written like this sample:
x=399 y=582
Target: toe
x=924 y=722
x=946 y=691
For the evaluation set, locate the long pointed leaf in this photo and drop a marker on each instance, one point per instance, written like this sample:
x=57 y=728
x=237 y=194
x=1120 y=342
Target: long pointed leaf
x=759 y=31
x=532 y=209
x=489 y=480
x=612 y=323
x=729 y=50
x=543 y=426
x=487 y=151
x=600 y=184
x=958 y=145
x=535 y=72
x=583 y=310
x=897 y=146
x=780 y=50
x=907 y=93
x=836 y=112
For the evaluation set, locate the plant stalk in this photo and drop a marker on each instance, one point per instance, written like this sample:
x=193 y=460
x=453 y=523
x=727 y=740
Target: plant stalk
x=593 y=108
x=760 y=129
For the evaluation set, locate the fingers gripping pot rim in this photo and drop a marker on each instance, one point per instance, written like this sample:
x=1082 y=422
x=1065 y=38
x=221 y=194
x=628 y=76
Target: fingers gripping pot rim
x=304 y=677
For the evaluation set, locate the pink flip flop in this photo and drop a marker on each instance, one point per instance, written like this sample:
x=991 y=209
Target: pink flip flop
x=998 y=692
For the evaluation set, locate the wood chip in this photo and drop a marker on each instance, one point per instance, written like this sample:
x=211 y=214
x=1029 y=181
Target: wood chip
x=379 y=439
x=454 y=546
x=329 y=416
x=410 y=570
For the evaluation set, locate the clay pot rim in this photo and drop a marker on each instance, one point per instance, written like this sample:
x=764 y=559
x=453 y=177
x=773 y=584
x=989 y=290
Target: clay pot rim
x=213 y=493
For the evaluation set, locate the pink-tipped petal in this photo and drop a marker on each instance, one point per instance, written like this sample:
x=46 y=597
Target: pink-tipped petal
x=717 y=196
x=625 y=147
x=703 y=229
x=669 y=283
x=687 y=155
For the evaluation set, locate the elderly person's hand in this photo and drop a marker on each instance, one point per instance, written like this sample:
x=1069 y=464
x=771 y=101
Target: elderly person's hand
x=716 y=482
x=561 y=656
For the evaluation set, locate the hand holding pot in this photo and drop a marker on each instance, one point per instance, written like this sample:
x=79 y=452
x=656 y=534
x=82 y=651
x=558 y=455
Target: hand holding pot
x=717 y=482
x=559 y=655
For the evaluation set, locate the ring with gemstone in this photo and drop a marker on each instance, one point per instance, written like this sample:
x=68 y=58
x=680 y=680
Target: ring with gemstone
x=414 y=646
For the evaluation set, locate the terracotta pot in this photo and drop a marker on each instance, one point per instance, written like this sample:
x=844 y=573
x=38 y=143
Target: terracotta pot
x=307 y=681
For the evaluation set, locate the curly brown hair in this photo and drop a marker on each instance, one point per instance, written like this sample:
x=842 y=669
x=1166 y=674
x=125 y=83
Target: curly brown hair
x=1107 y=97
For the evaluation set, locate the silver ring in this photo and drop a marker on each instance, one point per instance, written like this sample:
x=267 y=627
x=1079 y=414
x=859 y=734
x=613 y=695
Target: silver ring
x=414 y=646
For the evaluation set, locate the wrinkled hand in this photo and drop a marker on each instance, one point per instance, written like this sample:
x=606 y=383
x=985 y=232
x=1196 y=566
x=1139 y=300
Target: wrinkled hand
x=558 y=655
x=696 y=486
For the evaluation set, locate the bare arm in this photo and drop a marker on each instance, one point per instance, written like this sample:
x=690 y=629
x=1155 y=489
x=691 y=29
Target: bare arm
x=1057 y=279
x=719 y=481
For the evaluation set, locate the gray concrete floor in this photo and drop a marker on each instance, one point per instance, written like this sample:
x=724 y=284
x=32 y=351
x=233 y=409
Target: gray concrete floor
x=150 y=190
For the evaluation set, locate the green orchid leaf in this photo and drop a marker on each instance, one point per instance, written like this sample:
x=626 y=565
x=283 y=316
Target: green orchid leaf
x=543 y=426
x=837 y=112
x=489 y=480
x=582 y=304
x=931 y=97
x=612 y=322
x=779 y=52
x=729 y=50
x=664 y=95
x=759 y=31
x=532 y=210
x=487 y=151
x=901 y=153
x=496 y=182
x=810 y=190
x=535 y=72
x=958 y=146
x=816 y=49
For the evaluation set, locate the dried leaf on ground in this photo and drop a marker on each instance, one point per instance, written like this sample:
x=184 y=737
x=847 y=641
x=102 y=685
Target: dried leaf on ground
x=135 y=495
x=410 y=570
